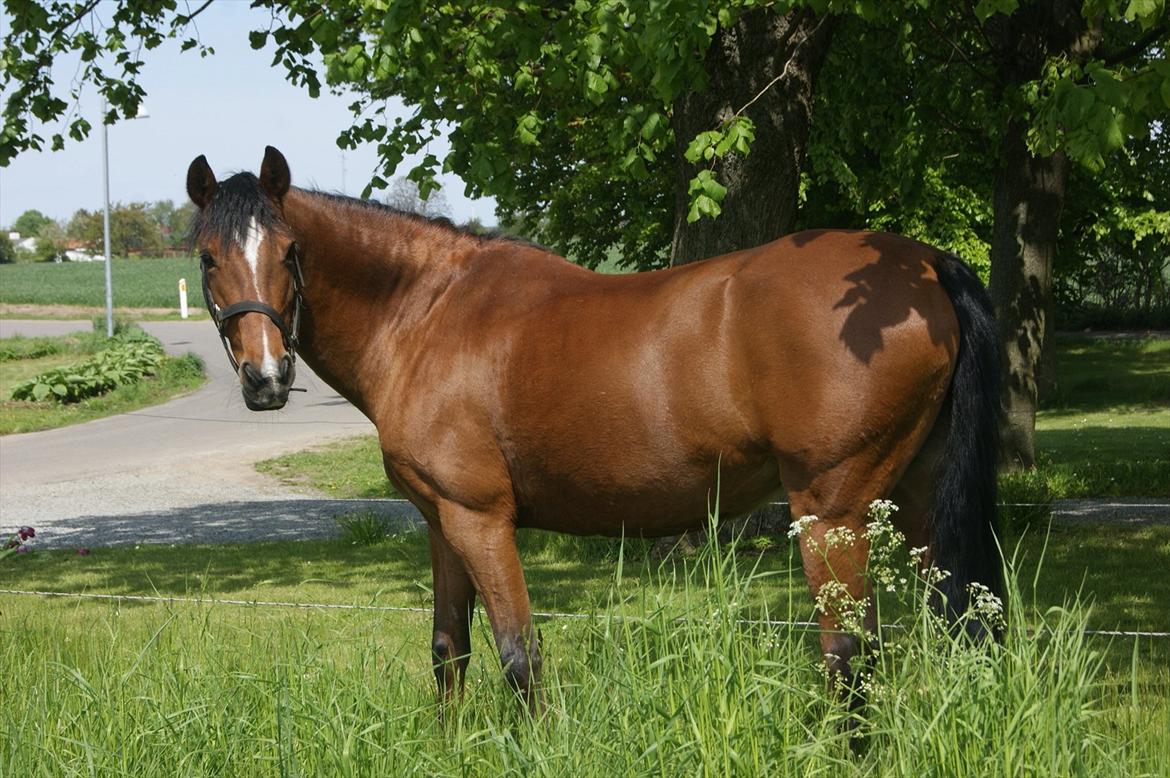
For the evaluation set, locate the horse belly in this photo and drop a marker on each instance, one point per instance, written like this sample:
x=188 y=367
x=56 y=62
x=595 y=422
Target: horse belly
x=642 y=497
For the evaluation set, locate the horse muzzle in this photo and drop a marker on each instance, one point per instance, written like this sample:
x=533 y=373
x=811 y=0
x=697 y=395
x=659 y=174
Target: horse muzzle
x=267 y=390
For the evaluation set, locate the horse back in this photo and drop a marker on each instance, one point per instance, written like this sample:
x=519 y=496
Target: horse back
x=618 y=401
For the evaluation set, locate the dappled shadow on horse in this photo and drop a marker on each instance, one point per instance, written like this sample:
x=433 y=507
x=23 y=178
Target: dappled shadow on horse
x=511 y=388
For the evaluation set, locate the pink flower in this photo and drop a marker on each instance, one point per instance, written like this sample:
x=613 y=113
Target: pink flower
x=26 y=532
x=83 y=552
x=22 y=549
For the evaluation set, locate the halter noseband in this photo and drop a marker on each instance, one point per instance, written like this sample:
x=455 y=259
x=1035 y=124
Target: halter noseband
x=287 y=334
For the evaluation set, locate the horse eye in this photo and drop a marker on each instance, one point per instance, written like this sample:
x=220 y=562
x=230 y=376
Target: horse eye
x=206 y=261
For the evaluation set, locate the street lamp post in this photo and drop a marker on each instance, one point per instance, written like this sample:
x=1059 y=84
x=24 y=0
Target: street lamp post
x=142 y=114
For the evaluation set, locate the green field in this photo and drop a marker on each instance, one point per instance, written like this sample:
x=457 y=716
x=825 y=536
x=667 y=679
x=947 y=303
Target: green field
x=138 y=283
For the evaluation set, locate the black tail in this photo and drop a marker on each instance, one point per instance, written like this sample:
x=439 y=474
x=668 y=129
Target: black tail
x=963 y=521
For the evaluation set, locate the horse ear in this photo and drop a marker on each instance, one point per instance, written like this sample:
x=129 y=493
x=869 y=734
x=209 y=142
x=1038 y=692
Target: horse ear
x=201 y=183
x=274 y=175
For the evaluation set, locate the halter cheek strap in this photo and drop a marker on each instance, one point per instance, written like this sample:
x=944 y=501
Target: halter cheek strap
x=288 y=334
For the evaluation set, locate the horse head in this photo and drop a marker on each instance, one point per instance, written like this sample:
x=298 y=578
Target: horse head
x=251 y=274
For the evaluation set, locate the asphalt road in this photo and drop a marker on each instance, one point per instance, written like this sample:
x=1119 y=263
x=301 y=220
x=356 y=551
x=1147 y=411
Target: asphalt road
x=178 y=472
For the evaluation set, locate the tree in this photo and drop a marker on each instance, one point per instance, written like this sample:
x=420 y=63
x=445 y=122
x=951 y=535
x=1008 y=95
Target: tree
x=51 y=243
x=633 y=124
x=567 y=114
x=7 y=250
x=29 y=223
x=1042 y=85
x=173 y=222
x=405 y=196
x=132 y=230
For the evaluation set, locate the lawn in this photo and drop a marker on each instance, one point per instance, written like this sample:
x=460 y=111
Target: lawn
x=683 y=688
x=1105 y=429
x=22 y=358
x=138 y=283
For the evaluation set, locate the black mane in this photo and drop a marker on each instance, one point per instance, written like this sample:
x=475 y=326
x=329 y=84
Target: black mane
x=237 y=200
x=437 y=221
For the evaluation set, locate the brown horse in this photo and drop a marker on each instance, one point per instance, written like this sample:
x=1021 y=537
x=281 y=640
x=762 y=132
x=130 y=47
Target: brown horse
x=511 y=388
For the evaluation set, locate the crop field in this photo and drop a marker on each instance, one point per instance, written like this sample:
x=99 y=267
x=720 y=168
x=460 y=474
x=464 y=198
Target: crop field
x=138 y=283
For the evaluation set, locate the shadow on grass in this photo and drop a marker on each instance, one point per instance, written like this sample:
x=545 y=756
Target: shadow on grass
x=1094 y=374
x=1120 y=571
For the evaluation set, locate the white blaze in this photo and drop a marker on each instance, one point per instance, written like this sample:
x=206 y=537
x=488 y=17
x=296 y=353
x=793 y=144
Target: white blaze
x=251 y=248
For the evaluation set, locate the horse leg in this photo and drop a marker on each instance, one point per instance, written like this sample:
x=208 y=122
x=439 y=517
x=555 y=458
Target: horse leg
x=486 y=543
x=914 y=492
x=835 y=551
x=454 y=605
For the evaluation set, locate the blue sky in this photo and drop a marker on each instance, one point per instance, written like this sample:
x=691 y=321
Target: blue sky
x=229 y=107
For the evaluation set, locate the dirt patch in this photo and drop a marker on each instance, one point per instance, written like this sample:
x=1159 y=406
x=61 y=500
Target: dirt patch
x=30 y=311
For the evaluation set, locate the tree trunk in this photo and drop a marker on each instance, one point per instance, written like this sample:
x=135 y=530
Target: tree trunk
x=1029 y=196
x=762 y=188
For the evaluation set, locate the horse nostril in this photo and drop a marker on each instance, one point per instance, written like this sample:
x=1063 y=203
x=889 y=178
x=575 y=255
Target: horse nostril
x=252 y=376
x=286 y=364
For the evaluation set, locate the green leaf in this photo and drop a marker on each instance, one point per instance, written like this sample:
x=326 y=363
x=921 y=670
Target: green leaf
x=40 y=391
x=595 y=86
x=985 y=9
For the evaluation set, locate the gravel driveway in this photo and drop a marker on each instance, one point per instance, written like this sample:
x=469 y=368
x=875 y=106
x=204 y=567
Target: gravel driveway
x=181 y=472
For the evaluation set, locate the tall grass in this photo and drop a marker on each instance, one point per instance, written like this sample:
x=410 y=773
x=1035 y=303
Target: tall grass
x=699 y=683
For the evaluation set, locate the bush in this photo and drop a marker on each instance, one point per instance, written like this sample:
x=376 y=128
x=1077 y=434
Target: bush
x=122 y=325
x=19 y=347
x=364 y=529
x=1024 y=497
x=130 y=358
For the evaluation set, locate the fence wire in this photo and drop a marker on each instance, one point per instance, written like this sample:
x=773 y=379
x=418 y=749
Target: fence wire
x=810 y=626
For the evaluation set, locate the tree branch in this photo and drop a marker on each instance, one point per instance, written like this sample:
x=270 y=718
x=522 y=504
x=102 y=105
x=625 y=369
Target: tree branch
x=1139 y=46
x=189 y=17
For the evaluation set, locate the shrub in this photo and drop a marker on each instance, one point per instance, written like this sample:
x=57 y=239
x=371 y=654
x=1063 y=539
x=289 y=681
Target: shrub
x=122 y=325
x=19 y=347
x=1024 y=497
x=127 y=360
x=364 y=529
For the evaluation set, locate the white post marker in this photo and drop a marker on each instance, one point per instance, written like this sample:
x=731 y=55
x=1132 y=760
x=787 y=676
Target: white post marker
x=183 y=297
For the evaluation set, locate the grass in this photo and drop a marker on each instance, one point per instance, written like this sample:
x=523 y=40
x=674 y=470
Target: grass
x=349 y=469
x=138 y=283
x=163 y=689
x=22 y=358
x=1105 y=429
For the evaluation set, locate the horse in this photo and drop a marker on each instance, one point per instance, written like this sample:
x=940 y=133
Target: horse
x=512 y=388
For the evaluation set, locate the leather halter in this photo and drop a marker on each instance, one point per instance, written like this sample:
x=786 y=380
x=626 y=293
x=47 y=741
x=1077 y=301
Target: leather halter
x=288 y=334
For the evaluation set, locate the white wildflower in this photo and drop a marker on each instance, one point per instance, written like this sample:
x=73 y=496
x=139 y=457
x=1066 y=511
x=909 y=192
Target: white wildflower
x=800 y=526
x=986 y=605
x=840 y=536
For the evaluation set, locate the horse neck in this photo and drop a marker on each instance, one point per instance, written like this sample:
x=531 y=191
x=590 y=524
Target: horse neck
x=370 y=278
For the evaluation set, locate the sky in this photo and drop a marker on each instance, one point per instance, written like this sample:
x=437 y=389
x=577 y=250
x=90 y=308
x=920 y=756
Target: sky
x=229 y=107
